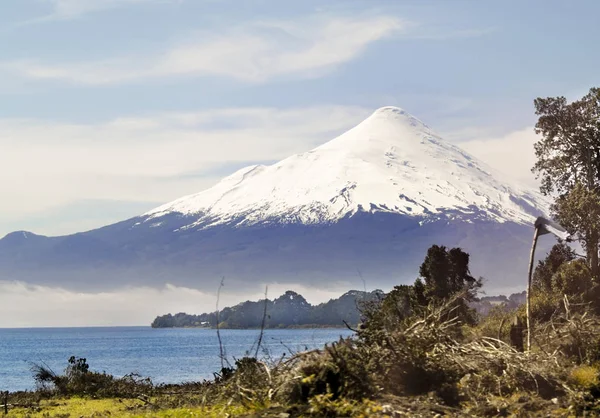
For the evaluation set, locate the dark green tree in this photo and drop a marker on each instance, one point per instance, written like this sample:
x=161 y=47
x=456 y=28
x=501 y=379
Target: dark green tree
x=574 y=280
x=399 y=304
x=568 y=164
x=559 y=254
x=445 y=273
x=579 y=212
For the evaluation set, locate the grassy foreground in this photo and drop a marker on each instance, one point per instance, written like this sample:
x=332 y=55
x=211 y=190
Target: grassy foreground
x=85 y=407
x=429 y=365
x=421 y=351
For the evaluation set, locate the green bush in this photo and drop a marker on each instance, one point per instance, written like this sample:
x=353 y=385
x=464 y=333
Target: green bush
x=496 y=324
x=341 y=370
x=79 y=380
x=573 y=279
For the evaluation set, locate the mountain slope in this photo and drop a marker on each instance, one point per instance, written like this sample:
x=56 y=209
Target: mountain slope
x=392 y=162
x=371 y=200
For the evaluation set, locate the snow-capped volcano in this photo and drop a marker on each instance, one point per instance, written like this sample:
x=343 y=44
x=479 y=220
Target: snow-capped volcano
x=392 y=162
x=373 y=200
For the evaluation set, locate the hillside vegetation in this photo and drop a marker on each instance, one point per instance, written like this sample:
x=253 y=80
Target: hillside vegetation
x=291 y=310
x=288 y=310
x=419 y=351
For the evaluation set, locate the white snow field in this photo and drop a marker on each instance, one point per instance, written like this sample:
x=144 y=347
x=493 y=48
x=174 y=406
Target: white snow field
x=391 y=162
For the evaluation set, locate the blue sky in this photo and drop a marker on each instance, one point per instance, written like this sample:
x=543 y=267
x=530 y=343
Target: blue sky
x=111 y=107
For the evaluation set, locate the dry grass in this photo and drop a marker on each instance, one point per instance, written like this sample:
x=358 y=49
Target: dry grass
x=429 y=364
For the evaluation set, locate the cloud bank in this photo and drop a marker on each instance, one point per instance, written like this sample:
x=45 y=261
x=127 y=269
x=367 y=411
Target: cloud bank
x=513 y=154
x=252 y=53
x=23 y=305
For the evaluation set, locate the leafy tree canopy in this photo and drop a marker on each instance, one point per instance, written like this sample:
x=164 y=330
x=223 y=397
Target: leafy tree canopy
x=568 y=163
x=444 y=275
x=546 y=268
x=569 y=150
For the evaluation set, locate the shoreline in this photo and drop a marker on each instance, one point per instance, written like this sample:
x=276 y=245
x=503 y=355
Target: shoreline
x=308 y=326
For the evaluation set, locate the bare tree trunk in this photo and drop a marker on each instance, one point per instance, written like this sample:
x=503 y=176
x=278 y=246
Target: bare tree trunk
x=536 y=234
x=222 y=353
x=593 y=254
x=262 y=324
x=516 y=334
x=592 y=238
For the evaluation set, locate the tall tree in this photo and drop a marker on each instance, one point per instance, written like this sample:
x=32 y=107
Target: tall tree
x=560 y=254
x=445 y=273
x=568 y=163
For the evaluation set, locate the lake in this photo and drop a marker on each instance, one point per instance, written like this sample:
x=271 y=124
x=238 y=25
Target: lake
x=165 y=355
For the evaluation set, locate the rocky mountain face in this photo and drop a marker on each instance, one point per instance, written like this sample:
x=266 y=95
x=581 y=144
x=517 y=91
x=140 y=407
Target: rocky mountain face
x=369 y=203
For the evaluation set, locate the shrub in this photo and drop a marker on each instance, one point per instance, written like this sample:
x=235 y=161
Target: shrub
x=496 y=324
x=326 y=406
x=585 y=398
x=79 y=380
x=341 y=370
x=585 y=377
x=573 y=279
x=573 y=333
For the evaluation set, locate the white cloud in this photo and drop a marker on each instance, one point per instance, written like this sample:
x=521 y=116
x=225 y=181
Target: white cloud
x=513 y=154
x=154 y=158
x=254 y=53
x=23 y=305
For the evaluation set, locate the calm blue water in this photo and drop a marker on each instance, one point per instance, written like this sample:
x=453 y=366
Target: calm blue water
x=165 y=355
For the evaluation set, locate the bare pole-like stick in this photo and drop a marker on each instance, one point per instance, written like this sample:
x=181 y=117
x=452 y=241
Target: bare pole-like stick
x=362 y=280
x=500 y=329
x=536 y=234
x=357 y=303
x=221 y=348
x=262 y=325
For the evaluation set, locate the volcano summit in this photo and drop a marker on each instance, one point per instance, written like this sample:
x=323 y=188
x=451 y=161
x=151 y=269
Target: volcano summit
x=371 y=200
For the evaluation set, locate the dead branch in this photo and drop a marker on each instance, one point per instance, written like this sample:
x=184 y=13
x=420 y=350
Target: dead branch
x=222 y=354
x=262 y=324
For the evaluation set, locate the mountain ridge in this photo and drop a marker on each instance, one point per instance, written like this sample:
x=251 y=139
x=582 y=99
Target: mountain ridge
x=372 y=199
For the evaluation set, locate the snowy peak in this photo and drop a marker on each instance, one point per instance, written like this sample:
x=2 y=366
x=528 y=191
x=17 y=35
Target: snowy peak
x=395 y=115
x=390 y=162
x=390 y=124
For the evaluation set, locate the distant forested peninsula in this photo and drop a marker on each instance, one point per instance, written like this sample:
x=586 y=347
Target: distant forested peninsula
x=290 y=310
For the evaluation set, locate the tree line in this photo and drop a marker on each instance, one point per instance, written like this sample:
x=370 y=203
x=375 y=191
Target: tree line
x=288 y=310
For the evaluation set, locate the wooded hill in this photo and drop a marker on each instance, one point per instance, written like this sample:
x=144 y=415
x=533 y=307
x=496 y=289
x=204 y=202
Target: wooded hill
x=292 y=310
x=288 y=310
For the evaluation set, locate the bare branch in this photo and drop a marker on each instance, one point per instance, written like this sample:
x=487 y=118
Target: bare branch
x=262 y=325
x=222 y=353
